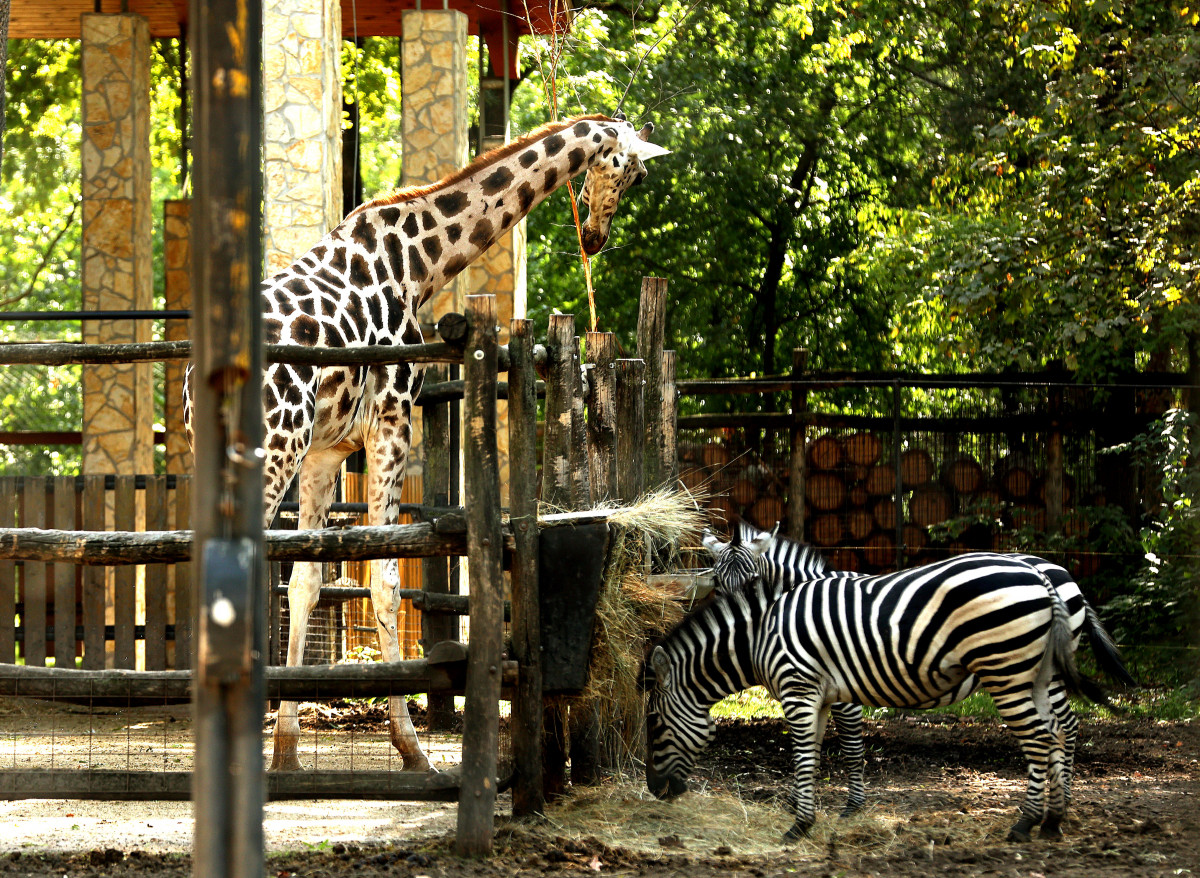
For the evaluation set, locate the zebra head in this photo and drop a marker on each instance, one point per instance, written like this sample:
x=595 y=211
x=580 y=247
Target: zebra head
x=738 y=561
x=678 y=726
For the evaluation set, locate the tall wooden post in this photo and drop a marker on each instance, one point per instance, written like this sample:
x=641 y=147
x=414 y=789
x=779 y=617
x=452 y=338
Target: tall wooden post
x=435 y=491
x=631 y=429
x=600 y=348
x=527 y=726
x=229 y=692
x=481 y=712
x=652 y=313
x=1054 y=464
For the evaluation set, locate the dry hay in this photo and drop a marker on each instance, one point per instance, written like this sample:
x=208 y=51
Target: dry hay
x=622 y=813
x=631 y=611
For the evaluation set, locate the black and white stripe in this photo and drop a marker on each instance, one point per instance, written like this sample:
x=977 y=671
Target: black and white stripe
x=910 y=639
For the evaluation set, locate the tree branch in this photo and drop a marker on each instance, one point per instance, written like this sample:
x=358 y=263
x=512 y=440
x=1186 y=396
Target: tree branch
x=45 y=260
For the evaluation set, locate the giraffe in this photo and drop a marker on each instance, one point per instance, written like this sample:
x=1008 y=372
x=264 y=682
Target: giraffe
x=361 y=285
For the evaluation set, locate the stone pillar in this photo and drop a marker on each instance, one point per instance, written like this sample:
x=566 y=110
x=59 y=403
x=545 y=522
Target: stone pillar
x=302 y=126
x=118 y=401
x=434 y=112
x=177 y=259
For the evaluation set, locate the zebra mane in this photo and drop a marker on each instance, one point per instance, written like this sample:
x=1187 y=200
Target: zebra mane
x=739 y=598
x=783 y=549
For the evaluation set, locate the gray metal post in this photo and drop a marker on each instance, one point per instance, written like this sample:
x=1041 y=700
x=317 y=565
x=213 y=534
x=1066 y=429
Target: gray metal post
x=227 y=511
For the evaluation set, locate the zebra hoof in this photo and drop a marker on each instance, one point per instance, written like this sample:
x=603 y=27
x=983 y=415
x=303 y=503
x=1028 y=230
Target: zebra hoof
x=850 y=811
x=1051 y=830
x=1020 y=832
x=798 y=831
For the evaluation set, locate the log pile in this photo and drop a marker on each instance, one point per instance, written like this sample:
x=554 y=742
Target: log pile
x=851 y=504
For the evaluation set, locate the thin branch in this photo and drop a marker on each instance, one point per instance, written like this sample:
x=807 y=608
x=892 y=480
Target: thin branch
x=45 y=261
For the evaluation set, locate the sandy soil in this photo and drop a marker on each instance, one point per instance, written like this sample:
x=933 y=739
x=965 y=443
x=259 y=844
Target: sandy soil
x=942 y=792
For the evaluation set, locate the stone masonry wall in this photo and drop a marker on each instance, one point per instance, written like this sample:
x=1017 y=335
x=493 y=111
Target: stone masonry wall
x=118 y=400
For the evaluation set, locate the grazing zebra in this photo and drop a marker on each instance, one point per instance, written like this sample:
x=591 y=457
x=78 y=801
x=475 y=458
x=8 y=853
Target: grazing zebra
x=784 y=563
x=908 y=639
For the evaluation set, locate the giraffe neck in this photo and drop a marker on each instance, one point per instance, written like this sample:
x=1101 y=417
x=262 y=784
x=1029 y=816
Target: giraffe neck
x=432 y=236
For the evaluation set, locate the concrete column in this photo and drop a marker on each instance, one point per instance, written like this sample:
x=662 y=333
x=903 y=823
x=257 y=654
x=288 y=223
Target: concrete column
x=118 y=401
x=302 y=131
x=434 y=110
x=177 y=258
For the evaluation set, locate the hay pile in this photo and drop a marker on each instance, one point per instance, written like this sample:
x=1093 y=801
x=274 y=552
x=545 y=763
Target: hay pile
x=631 y=612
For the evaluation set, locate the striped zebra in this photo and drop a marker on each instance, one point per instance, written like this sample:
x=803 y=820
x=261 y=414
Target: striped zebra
x=908 y=639
x=784 y=563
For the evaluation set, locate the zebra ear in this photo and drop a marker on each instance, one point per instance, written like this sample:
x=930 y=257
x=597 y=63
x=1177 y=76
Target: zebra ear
x=662 y=667
x=760 y=543
x=711 y=543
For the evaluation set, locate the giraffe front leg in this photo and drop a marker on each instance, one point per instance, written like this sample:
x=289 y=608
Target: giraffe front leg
x=385 y=584
x=304 y=590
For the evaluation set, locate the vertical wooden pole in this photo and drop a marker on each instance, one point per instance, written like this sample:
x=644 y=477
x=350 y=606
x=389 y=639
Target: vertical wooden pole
x=125 y=580
x=64 y=577
x=556 y=493
x=8 y=575
x=556 y=440
x=184 y=596
x=652 y=313
x=93 y=578
x=631 y=429
x=481 y=711
x=435 y=491
x=33 y=592
x=668 y=464
x=897 y=407
x=798 y=471
x=156 y=579
x=227 y=510
x=527 y=726
x=600 y=349
x=581 y=483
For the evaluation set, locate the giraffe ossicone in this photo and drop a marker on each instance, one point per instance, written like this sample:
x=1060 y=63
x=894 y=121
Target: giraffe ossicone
x=361 y=285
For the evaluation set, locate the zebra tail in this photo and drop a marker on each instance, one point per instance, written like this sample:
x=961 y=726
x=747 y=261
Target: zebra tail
x=1062 y=651
x=1108 y=656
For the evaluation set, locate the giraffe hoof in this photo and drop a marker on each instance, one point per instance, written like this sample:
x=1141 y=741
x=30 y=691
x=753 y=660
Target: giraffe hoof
x=285 y=763
x=415 y=763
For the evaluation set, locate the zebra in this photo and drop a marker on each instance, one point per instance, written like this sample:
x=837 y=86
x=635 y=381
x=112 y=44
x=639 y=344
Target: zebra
x=784 y=563
x=908 y=639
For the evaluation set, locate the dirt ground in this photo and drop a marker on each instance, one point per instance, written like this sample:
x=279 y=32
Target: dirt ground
x=942 y=793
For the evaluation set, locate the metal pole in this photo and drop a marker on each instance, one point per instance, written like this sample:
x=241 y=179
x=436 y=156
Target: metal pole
x=227 y=512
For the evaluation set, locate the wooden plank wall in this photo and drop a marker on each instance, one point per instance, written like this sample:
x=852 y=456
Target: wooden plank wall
x=67 y=615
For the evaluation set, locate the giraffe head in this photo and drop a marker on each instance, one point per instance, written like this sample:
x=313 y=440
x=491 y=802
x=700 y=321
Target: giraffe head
x=610 y=176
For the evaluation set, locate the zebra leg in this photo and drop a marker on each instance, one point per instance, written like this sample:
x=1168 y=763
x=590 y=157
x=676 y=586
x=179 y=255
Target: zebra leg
x=805 y=717
x=1028 y=715
x=848 y=718
x=1068 y=728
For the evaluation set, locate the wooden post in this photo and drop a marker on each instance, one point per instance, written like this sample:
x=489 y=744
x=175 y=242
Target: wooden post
x=652 y=313
x=556 y=441
x=33 y=594
x=897 y=406
x=93 y=578
x=125 y=579
x=798 y=473
x=184 y=597
x=601 y=352
x=556 y=492
x=435 y=491
x=669 y=448
x=230 y=693
x=481 y=712
x=631 y=429
x=156 y=579
x=581 y=483
x=527 y=726
x=8 y=575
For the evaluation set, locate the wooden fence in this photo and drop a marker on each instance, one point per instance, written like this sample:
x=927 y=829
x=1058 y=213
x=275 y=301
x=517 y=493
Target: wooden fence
x=633 y=446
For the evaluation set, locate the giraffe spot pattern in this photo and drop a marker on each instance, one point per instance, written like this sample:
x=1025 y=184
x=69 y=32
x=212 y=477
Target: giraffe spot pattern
x=481 y=235
x=525 y=196
x=554 y=144
x=496 y=180
x=451 y=203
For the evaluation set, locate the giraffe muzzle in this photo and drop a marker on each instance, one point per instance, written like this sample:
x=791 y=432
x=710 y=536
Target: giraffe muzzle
x=593 y=241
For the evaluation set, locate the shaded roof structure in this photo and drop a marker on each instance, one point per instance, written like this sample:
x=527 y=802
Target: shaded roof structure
x=59 y=19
